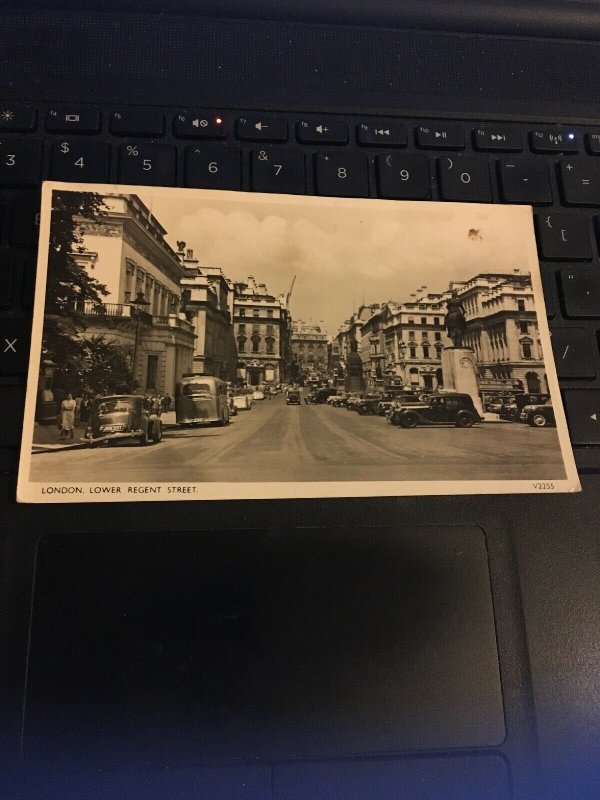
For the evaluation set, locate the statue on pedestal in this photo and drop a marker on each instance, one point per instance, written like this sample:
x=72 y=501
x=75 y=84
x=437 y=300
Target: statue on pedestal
x=354 y=369
x=455 y=321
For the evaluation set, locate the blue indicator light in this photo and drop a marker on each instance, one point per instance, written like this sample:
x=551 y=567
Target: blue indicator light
x=570 y=136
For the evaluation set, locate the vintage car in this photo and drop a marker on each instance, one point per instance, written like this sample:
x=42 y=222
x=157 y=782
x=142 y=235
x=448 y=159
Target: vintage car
x=337 y=400
x=538 y=416
x=439 y=409
x=292 y=397
x=320 y=396
x=369 y=404
x=123 y=416
x=242 y=401
x=258 y=394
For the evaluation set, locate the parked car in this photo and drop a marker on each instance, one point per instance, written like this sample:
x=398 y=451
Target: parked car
x=538 y=416
x=439 y=409
x=292 y=397
x=123 y=416
x=368 y=405
x=258 y=394
x=353 y=400
x=242 y=401
x=338 y=400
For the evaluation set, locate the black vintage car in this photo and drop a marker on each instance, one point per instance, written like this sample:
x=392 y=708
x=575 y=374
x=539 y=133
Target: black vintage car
x=292 y=397
x=369 y=404
x=539 y=415
x=438 y=409
x=123 y=416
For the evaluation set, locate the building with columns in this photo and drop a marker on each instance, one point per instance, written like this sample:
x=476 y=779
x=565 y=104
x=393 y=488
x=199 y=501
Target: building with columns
x=502 y=330
x=125 y=249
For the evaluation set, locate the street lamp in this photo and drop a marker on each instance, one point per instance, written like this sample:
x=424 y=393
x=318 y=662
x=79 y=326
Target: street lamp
x=138 y=306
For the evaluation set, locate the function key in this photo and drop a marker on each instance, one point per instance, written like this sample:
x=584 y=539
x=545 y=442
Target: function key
x=322 y=131
x=381 y=133
x=137 y=122
x=17 y=118
x=498 y=139
x=73 y=120
x=440 y=136
x=554 y=140
x=262 y=129
x=200 y=125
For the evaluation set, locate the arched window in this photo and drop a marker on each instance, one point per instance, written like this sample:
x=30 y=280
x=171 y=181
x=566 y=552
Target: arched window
x=270 y=342
x=241 y=344
x=414 y=376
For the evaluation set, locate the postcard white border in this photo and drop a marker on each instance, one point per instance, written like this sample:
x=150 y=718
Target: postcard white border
x=36 y=492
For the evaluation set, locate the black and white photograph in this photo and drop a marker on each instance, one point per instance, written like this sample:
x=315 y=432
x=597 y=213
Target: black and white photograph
x=195 y=344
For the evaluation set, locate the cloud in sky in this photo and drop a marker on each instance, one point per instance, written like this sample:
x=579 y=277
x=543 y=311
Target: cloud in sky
x=344 y=251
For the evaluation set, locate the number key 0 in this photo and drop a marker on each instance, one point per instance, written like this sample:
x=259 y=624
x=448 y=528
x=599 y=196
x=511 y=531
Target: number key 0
x=213 y=167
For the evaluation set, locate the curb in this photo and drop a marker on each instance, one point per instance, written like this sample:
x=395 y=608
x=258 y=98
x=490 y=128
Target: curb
x=45 y=448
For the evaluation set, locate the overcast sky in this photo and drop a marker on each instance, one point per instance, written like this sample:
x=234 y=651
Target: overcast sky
x=342 y=251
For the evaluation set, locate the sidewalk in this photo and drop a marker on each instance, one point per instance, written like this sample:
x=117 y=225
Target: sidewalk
x=46 y=438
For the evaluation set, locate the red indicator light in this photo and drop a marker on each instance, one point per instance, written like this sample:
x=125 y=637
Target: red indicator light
x=218 y=120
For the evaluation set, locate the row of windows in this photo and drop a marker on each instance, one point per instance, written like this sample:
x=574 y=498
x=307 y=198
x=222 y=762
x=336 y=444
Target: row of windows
x=256 y=329
x=255 y=342
x=255 y=312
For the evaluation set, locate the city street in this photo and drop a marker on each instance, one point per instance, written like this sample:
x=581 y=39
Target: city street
x=275 y=442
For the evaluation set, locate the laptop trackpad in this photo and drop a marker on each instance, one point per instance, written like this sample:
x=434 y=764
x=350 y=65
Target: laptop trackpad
x=262 y=645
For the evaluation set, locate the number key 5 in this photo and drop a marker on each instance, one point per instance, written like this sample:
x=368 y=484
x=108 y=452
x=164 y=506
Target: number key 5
x=147 y=164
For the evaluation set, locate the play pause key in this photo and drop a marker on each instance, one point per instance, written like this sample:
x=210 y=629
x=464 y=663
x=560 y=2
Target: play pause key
x=583 y=415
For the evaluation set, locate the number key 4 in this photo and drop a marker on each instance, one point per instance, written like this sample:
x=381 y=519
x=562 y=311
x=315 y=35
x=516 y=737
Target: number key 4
x=78 y=160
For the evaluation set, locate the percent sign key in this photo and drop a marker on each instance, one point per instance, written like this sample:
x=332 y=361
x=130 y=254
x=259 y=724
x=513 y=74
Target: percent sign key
x=148 y=164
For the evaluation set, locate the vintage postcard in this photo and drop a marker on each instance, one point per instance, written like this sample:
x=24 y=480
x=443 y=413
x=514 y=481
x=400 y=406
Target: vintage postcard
x=194 y=344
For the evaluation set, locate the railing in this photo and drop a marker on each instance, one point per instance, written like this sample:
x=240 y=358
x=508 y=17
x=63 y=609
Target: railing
x=103 y=309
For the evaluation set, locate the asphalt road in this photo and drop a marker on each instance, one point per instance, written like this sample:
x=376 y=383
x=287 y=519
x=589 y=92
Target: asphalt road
x=275 y=442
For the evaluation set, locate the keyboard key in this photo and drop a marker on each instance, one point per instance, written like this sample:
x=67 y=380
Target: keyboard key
x=582 y=409
x=402 y=176
x=20 y=162
x=549 y=285
x=464 y=179
x=580 y=182
x=573 y=353
x=497 y=138
x=524 y=181
x=12 y=398
x=80 y=161
x=277 y=170
x=262 y=129
x=200 y=125
x=563 y=237
x=440 y=136
x=554 y=140
x=580 y=289
x=137 y=122
x=73 y=120
x=20 y=119
x=322 y=131
x=147 y=164
x=14 y=345
x=341 y=174
x=592 y=143
x=24 y=224
x=7 y=278
x=381 y=133
x=28 y=284
x=213 y=167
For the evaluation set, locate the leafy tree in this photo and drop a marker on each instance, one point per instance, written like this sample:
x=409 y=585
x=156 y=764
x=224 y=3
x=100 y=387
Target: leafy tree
x=67 y=282
x=98 y=367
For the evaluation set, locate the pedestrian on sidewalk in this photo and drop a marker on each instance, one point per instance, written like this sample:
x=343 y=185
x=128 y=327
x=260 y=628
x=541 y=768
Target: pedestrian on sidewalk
x=67 y=421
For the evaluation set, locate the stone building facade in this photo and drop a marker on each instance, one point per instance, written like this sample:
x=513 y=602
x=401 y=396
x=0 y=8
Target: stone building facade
x=262 y=334
x=126 y=250
x=310 y=350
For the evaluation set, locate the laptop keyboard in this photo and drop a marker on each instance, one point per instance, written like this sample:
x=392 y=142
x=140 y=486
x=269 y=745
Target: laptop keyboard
x=555 y=168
